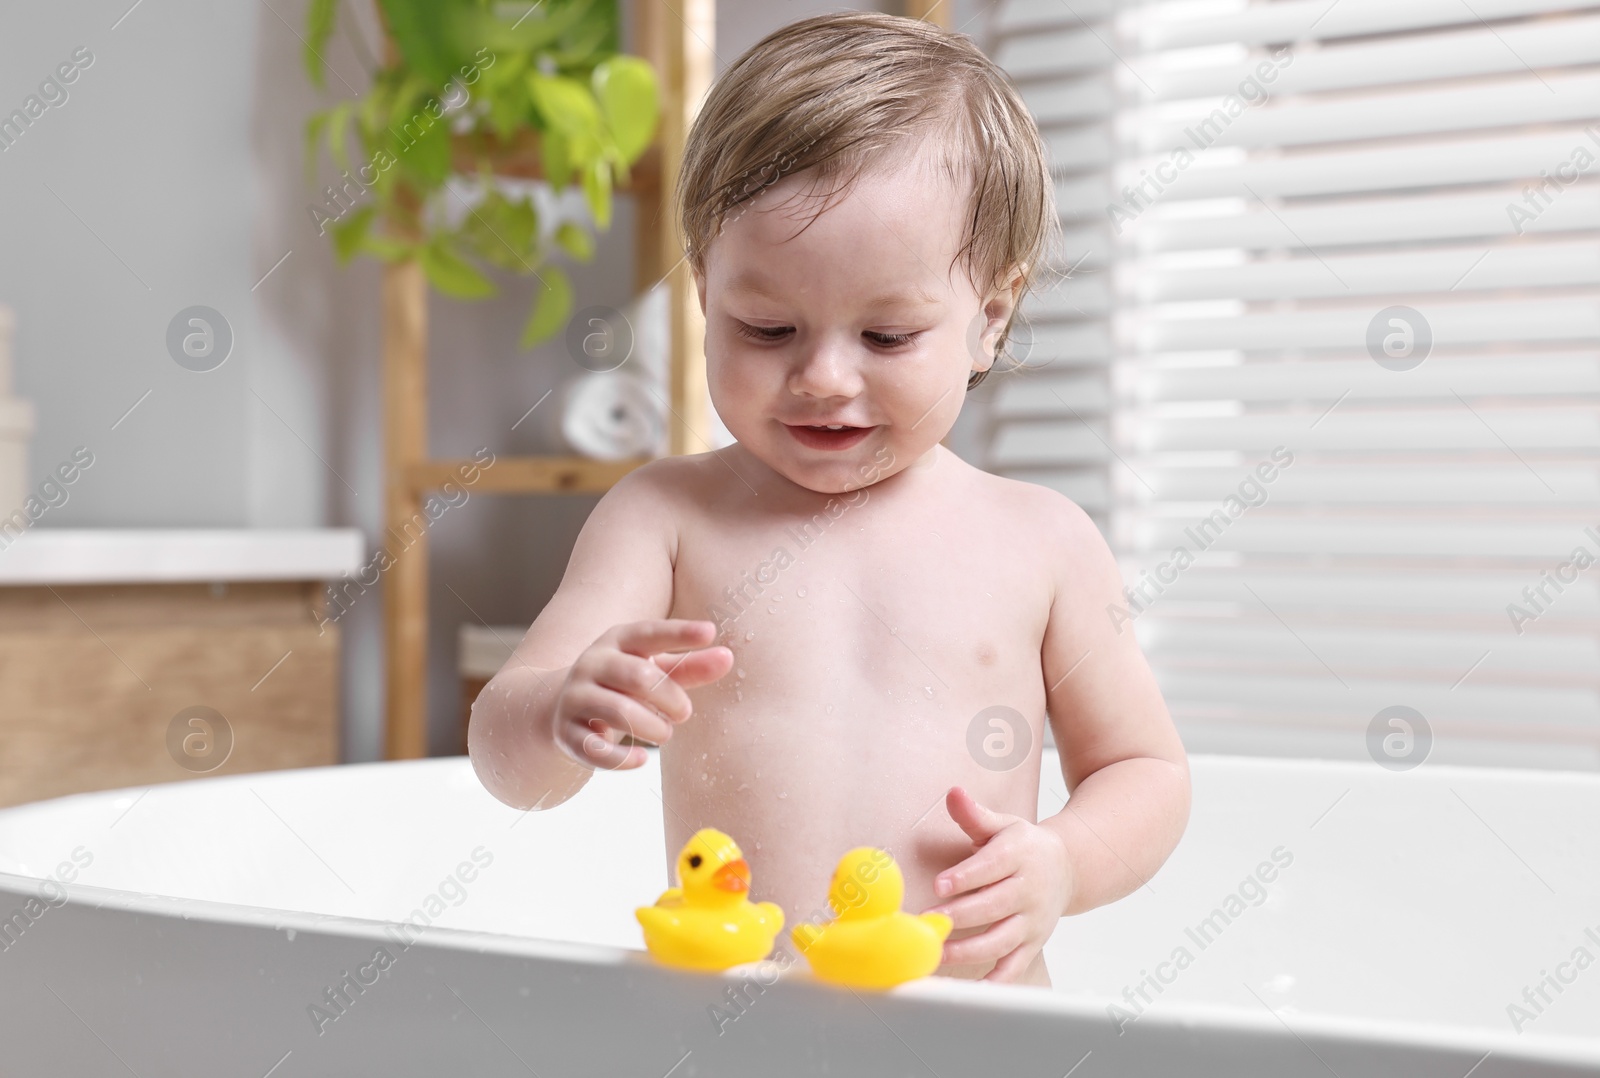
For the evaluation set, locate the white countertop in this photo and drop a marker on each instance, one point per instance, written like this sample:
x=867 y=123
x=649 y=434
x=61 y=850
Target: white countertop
x=483 y=649
x=179 y=555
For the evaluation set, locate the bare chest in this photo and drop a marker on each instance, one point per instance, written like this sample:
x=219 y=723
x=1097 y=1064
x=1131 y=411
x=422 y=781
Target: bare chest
x=909 y=605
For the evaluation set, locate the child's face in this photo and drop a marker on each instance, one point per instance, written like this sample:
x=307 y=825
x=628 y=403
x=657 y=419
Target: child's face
x=831 y=355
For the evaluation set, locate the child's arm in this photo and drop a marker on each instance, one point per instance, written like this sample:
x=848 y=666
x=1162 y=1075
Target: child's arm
x=1122 y=759
x=598 y=662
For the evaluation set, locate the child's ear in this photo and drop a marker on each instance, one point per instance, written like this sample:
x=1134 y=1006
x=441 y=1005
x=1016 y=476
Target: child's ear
x=998 y=306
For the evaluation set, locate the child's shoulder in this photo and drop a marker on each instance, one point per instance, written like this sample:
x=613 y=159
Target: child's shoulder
x=1035 y=505
x=673 y=479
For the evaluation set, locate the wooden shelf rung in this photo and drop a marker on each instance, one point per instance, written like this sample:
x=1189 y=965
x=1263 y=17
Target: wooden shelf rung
x=524 y=475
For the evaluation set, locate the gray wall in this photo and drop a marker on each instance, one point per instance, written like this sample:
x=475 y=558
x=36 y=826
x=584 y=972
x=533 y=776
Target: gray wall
x=172 y=176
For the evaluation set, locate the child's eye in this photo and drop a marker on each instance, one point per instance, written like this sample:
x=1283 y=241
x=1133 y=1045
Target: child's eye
x=883 y=340
x=893 y=340
x=760 y=333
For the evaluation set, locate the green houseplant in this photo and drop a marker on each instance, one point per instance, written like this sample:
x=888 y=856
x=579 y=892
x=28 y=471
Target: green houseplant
x=465 y=86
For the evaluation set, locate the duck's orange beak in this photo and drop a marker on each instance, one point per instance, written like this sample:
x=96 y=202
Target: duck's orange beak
x=733 y=876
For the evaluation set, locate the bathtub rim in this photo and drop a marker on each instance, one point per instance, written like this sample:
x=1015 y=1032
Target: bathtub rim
x=1538 y=776
x=1176 y=1017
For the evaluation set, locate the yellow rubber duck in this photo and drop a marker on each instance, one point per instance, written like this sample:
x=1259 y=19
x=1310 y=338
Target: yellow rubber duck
x=871 y=944
x=708 y=922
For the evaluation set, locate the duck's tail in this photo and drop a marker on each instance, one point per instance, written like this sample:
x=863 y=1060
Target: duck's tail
x=771 y=916
x=804 y=935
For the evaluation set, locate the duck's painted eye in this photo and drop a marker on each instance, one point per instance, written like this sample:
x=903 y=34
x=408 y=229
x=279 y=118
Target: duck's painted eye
x=694 y=860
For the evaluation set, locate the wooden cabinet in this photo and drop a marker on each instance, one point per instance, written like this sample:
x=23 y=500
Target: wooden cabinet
x=99 y=682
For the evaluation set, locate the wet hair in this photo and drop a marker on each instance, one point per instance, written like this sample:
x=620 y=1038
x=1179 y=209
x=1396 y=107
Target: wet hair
x=849 y=92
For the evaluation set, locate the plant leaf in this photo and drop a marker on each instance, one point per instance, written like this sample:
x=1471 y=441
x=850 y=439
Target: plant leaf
x=387 y=248
x=576 y=240
x=552 y=307
x=510 y=107
x=428 y=157
x=508 y=32
x=350 y=233
x=374 y=107
x=595 y=30
x=419 y=29
x=626 y=88
x=521 y=229
x=503 y=69
x=503 y=232
x=320 y=18
x=338 y=132
x=408 y=115
x=567 y=105
x=597 y=191
x=452 y=274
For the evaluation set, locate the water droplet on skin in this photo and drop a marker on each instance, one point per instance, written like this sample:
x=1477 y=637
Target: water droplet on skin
x=928 y=689
x=740 y=673
x=783 y=795
x=750 y=635
x=704 y=776
x=738 y=694
x=830 y=709
x=778 y=598
x=743 y=786
x=894 y=630
x=801 y=591
x=772 y=610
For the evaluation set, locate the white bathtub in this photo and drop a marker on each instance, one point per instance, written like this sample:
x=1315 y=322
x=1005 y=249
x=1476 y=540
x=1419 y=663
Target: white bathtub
x=204 y=920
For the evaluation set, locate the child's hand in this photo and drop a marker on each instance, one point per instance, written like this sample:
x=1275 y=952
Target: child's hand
x=1018 y=883
x=630 y=682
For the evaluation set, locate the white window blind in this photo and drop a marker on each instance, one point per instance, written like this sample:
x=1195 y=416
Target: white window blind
x=1355 y=245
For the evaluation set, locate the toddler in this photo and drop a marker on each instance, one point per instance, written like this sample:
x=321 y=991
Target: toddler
x=838 y=632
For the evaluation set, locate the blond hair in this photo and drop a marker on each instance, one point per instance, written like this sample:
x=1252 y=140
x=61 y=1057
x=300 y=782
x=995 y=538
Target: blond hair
x=848 y=91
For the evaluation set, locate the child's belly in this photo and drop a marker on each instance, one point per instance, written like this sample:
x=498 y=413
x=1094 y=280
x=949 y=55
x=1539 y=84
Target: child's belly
x=847 y=717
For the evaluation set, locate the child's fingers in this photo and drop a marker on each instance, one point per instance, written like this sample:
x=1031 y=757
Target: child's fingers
x=608 y=755
x=645 y=638
x=1012 y=966
x=989 y=865
x=593 y=744
x=694 y=668
x=1001 y=939
x=597 y=707
x=980 y=823
x=648 y=686
x=984 y=906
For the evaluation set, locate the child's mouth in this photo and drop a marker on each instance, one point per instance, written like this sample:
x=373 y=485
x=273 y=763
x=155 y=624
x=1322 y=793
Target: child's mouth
x=820 y=437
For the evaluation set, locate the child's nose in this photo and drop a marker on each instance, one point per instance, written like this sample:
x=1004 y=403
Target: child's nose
x=827 y=370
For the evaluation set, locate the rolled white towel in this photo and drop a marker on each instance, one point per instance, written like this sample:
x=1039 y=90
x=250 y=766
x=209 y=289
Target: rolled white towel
x=606 y=416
